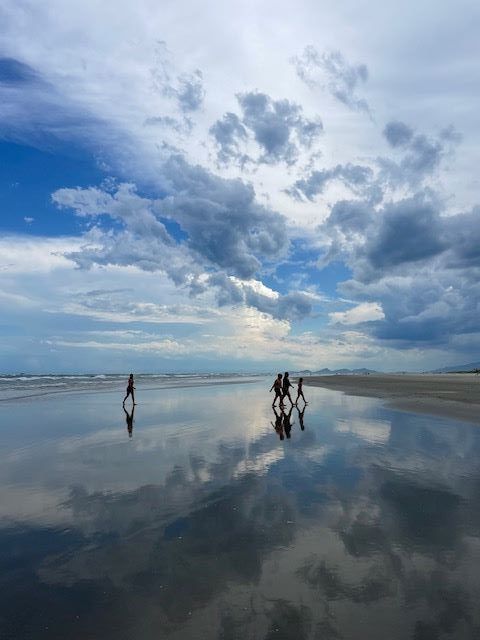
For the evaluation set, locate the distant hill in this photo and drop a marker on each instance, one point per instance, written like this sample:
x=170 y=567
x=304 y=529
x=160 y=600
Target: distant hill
x=332 y=372
x=471 y=366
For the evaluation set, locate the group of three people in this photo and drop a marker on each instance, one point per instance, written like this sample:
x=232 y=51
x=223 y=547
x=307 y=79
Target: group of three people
x=282 y=385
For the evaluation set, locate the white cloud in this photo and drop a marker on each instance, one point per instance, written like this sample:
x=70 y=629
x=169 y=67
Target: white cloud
x=375 y=431
x=364 y=312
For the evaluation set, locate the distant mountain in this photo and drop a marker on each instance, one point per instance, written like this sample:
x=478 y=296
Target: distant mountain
x=471 y=366
x=331 y=372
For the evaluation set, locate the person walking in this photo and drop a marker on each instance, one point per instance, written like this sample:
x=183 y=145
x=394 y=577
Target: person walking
x=130 y=389
x=300 y=391
x=277 y=385
x=286 y=387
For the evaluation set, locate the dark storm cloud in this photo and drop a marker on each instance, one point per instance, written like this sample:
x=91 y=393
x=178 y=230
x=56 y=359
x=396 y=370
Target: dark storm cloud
x=277 y=126
x=332 y=70
x=356 y=177
x=397 y=133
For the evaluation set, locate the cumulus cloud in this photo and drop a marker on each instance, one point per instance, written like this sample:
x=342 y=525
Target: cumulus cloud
x=355 y=177
x=278 y=127
x=422 y=154
x=421 y=266
x=228 y=133
x=409 y=231
x=223 y=223
x=397 y=133
x=227 y=239
x=364 y=312
x=379 y=239
x=332 y=71
x=233 y=291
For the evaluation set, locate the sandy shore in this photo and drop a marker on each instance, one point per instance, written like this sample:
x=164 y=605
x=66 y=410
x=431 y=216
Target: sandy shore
x=448 y=395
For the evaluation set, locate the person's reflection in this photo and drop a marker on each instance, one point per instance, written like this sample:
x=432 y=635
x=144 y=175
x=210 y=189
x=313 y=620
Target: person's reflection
x=300 y=417
x=287 y=422
x=129 y=420
x=278 y=426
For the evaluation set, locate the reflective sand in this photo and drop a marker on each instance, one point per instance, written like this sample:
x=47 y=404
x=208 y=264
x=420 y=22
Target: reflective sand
x=196 y=520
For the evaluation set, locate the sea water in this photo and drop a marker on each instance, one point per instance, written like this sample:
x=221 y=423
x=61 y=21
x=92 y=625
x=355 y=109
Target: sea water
x=205 y=515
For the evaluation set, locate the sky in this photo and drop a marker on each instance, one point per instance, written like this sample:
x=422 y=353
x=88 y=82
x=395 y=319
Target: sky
x=250 y=186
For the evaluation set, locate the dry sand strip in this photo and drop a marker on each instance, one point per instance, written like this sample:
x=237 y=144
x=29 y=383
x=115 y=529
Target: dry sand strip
x=449 y=395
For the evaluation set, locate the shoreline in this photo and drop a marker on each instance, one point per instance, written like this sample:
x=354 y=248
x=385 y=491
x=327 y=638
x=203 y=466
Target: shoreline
x=181 y=383
x=454 y=396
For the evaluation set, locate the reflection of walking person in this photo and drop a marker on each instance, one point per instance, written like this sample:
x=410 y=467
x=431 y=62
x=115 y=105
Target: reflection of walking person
x=287 y=422
x=277 y=385
x=129 y=420
x=300 y=391
x=278 y=426
x=286 y=387
x=300 y=417
x=130 y=389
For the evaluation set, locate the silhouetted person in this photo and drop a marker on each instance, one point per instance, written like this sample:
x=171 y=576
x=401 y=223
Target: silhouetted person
x=286 y=388
x=130 y=389
x=129 y=420
x=277 y=385
x=300 y=417
x=287 y=423
x=278 y=426
x=300 y=391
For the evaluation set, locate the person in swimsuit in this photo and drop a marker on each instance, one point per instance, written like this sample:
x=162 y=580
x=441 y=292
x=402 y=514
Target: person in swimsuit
x=277 y=385
x=130 y=389
x=286 y=387
x=300 y=391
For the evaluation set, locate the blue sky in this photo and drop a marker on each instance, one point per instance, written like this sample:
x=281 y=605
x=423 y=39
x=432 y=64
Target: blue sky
x=187 y=187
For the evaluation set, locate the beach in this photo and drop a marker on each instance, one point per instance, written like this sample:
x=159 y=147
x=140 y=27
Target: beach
x=201 y=513
x=450 y=395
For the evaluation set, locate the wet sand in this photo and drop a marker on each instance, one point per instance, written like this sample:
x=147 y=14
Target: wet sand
x=448 y=395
